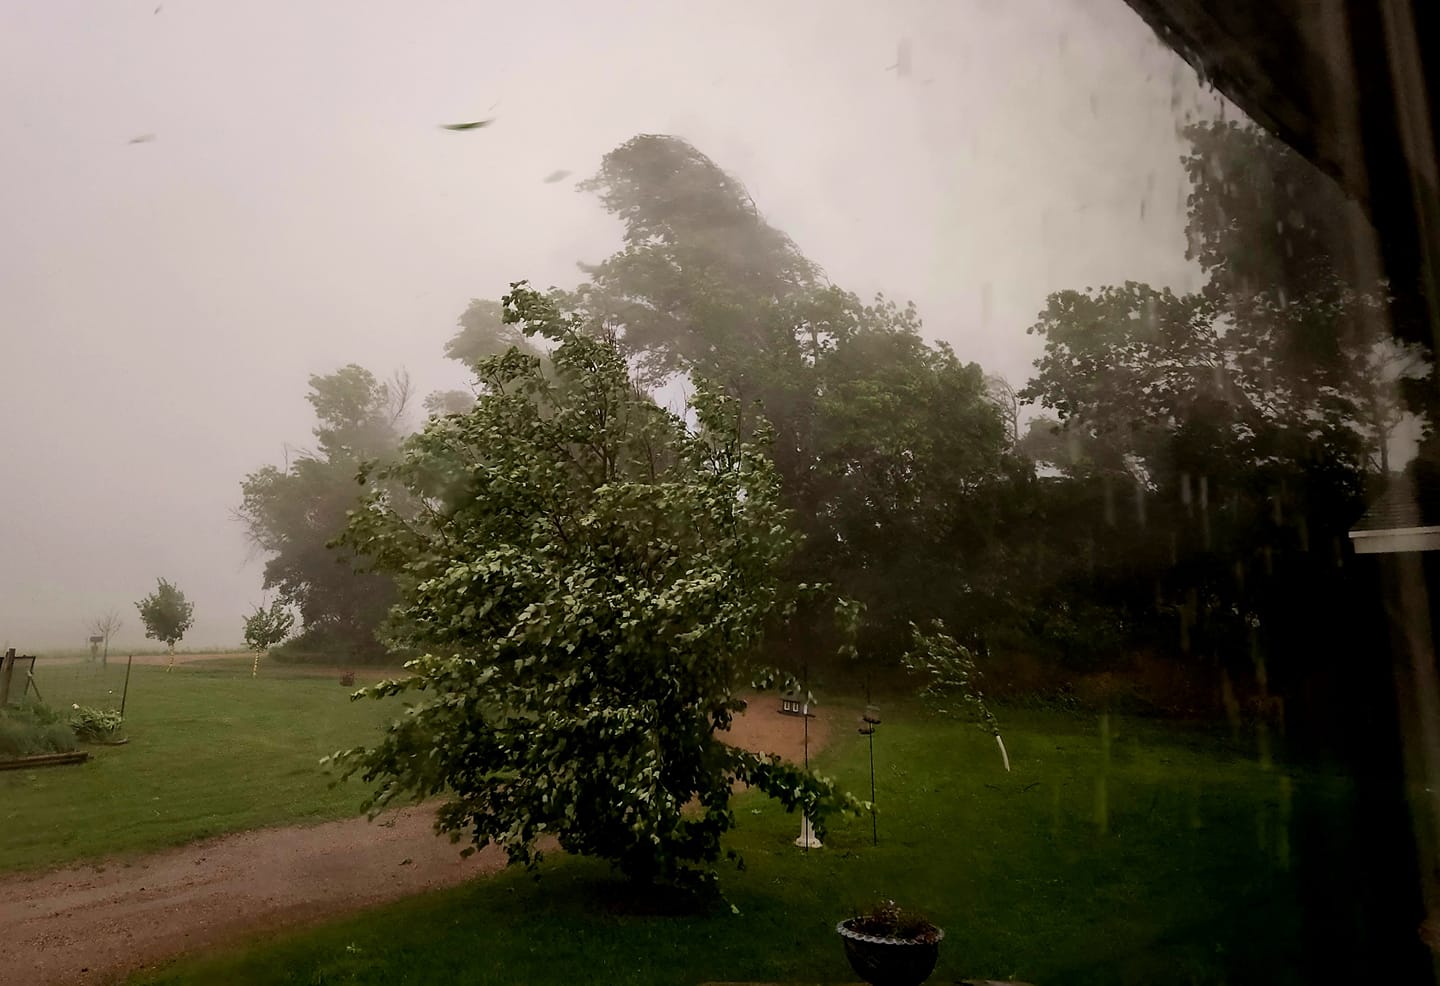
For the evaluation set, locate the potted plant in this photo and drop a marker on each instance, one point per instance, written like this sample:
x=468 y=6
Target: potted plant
x=889 y=946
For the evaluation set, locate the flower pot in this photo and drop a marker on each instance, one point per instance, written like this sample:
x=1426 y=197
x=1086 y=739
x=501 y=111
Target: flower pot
x=889 y=961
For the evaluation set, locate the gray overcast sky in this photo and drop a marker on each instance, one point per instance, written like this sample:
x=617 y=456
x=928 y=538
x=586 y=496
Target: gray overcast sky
x=163 y=303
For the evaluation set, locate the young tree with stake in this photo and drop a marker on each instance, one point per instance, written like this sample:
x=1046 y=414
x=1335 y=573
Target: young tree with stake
x=265 y=628
x=167 y=614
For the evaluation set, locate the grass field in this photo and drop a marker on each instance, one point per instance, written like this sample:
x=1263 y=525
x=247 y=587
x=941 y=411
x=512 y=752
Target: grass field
x=211 y=750
x=1156 y=855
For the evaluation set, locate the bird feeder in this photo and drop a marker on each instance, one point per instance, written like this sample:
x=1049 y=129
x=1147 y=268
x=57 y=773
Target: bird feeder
x=869 y=719
x=794 y=704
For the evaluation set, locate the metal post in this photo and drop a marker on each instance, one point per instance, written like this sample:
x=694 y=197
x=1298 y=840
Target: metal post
x=870 y=721
x=874 y=825
x=805 y=714
x=126 y=691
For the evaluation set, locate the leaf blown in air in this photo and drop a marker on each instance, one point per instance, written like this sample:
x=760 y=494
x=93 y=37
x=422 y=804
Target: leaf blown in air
x=474 y=125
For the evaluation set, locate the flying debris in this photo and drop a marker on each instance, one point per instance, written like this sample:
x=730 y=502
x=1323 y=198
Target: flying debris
x=555 y=176
x=476 y=125
x=902 y=60
x=142 y=139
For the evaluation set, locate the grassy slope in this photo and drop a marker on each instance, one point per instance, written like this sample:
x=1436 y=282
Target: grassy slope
x=211 y=750
x=1188 y=880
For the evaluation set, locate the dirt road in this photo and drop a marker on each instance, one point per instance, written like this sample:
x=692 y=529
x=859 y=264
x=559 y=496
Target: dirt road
x=94 y=923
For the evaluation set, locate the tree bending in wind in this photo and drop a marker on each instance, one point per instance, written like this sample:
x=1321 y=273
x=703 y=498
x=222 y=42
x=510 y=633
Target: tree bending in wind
x=893 y=461
x=266 y=628
x=588 y=578
x=952 y=679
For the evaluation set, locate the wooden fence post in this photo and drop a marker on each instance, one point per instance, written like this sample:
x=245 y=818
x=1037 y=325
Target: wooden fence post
x=7 y=668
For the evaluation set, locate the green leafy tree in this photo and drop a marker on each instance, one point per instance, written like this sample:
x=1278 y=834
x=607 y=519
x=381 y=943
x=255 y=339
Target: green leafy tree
x=891 y=457
x=1007 y=402
x=1284 y=252
x=166 y=614
x=1046 y=443
x=905 y=495
x=687 y=291
x=442 y=402
x=952 y=679
x=292 y=514
x=1279 y=366
x=1283 y=355
x=1212 y=440
x=357 y=416
x=484 y=333
x=266 y=628
x=589 y=579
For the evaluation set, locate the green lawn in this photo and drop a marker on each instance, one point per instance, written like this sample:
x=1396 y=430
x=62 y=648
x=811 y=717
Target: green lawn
x=1167 y=859
x=211 y=750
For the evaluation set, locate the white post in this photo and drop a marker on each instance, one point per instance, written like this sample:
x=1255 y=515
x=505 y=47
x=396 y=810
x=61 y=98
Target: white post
x=807 y=838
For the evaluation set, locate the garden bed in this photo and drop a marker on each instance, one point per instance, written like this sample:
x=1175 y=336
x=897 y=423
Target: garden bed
x=45 y=760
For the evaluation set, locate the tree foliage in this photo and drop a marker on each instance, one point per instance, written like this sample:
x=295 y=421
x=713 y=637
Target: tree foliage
x=907 y=482
x=1212 y=440
x=950 y=675
x=698 y=260
x=357 y=416
x=484 y=333
x=951 y=679
x=589 y=580
x=890 y=455
x=268 y=626
x=166 y=614
x=1282 y=357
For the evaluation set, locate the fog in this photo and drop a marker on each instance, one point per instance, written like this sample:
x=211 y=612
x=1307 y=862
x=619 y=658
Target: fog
x=295 y=206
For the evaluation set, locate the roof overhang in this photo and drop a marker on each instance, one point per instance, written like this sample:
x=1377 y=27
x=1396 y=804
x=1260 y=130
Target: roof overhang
x=1394 y=540
x=1353 y=85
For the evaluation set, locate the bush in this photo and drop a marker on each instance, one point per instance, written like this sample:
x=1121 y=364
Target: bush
x=1084 y=636
x=32 y=728
x=95 y=725
x=319 y=645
